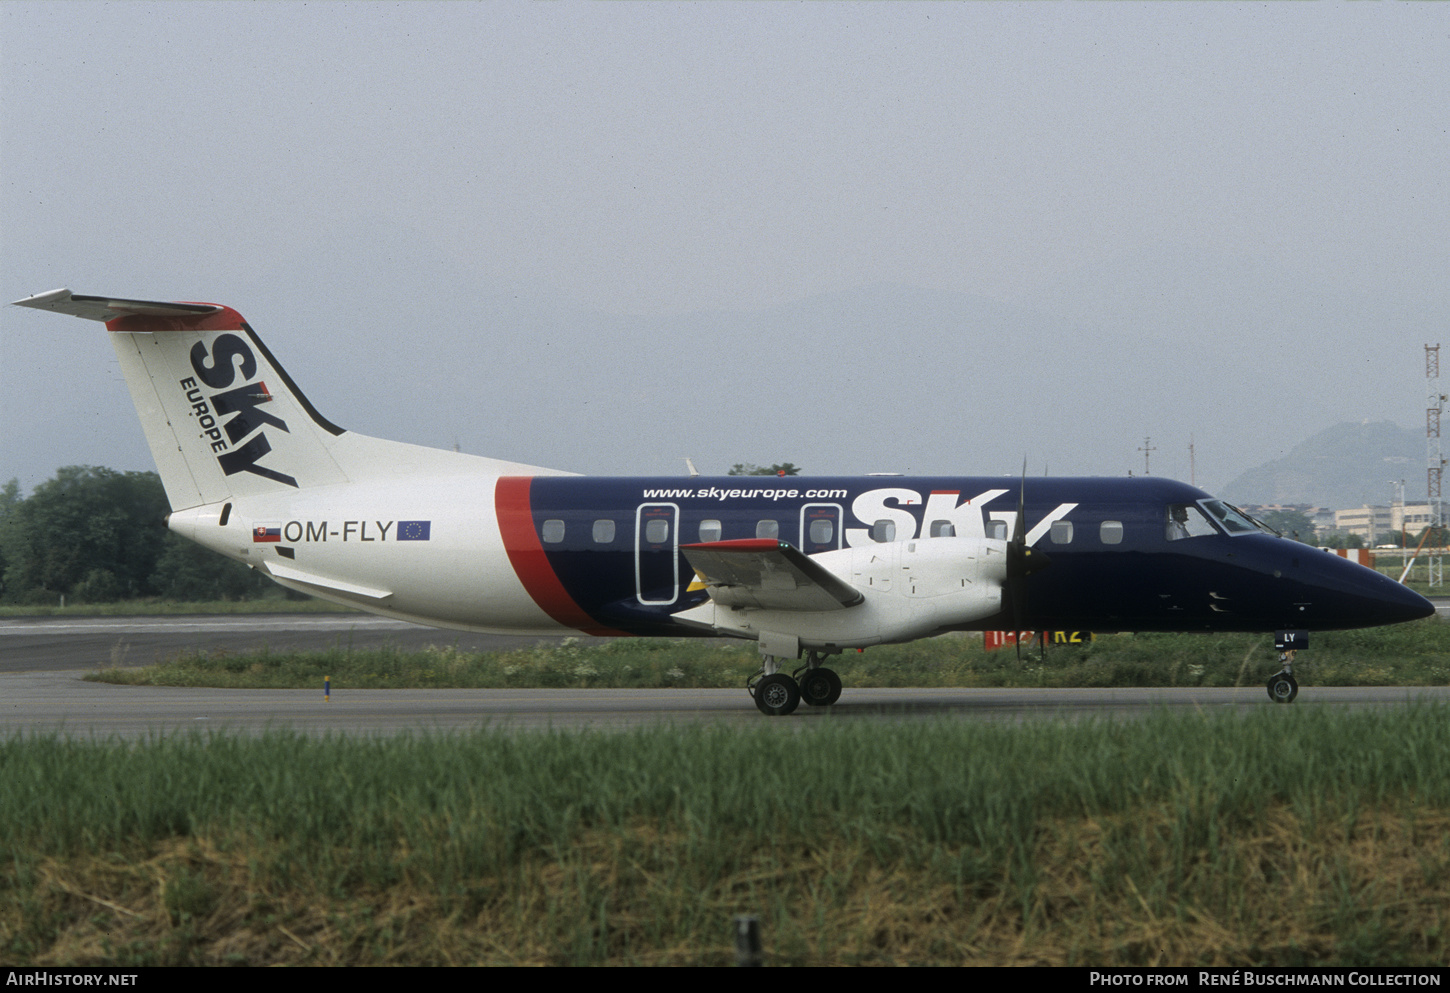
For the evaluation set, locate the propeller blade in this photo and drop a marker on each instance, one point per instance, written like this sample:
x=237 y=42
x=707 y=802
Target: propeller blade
x=1022 y=561
x=1017 y=561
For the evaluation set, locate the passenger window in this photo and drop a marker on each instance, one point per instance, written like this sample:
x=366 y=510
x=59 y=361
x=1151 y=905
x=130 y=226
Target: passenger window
x=603 y=532
x=822 y=532
x=767 y=529
x=884 y=530
x=997 y=530
x=553 y=532
x=710 y=531
x=942 y=529
x=1061 y=532
x=1111 y=532
x=656 y=531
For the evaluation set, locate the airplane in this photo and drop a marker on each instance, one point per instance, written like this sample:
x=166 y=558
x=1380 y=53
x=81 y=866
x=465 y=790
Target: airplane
x=805 y=567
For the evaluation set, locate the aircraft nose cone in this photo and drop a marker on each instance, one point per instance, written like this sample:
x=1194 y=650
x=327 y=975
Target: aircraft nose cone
x=1390 y=603
x=1352 y=596
x=1409 y=605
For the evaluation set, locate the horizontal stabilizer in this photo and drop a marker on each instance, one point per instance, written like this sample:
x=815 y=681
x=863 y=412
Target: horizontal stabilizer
x=109 y=308
x=767 y=574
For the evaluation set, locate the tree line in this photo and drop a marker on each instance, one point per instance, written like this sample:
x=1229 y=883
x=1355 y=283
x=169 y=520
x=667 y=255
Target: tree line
x=95 y=535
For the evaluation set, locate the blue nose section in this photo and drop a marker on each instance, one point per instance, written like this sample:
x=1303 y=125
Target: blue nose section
x=1404 y=604
x=1377 y=599
x=1338 y=594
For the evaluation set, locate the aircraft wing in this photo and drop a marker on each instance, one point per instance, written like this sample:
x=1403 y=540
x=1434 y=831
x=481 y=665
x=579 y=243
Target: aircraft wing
x=767 y=574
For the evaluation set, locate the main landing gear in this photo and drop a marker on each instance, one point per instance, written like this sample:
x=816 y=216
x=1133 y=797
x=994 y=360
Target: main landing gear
x=1282 y=686
x=777 y=694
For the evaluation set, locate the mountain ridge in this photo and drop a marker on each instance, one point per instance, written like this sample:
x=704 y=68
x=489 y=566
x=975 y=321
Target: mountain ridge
x=1350 y=464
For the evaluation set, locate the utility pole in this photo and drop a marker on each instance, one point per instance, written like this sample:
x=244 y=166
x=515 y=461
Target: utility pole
x=1146 y=450
x=1397 y=499
x=1435 y=462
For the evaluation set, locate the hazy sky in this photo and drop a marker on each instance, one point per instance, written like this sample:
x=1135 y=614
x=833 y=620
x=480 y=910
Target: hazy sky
x=368 y=182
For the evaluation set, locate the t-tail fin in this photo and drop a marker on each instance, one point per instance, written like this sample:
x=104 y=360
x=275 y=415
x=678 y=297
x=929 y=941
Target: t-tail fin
x=222 y=417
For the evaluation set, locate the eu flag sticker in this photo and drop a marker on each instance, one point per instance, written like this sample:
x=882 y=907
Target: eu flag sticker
x=413 y=530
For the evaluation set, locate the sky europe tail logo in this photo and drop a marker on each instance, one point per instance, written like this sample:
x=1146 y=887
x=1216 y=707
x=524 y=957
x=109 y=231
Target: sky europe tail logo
x=240 y=450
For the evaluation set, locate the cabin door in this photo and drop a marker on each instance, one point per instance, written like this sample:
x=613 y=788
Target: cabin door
x=820 y=527
x=656 y=553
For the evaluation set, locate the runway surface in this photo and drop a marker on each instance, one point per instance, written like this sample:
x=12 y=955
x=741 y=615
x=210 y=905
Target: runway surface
x=42 y=661
x=62 y=701
x=88 y=643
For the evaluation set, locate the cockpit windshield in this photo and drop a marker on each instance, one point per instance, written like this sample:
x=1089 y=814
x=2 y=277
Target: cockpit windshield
x=1234 y=521
x=1192 y=520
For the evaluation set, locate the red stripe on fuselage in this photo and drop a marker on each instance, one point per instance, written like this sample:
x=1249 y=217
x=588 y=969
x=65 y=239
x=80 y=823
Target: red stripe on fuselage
x=531 y=565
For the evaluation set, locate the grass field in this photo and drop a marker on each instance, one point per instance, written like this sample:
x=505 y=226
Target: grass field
x=1416 y=654
x=1282 y=836
x=1277 y=836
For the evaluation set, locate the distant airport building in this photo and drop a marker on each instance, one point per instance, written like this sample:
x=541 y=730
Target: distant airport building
x=1375 y=524
x=1368 y=523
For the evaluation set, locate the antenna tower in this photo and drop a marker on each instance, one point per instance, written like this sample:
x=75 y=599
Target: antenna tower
x=1435 y=462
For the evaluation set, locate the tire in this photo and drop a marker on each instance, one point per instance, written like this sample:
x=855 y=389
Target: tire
x=777 y=695
x=820 y=687
x=1282 y=688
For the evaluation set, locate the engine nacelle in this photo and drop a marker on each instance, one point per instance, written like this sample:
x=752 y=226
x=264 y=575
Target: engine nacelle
x=911 y=589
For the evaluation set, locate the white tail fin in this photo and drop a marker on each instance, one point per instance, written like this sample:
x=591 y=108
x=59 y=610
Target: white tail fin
x=222 y=417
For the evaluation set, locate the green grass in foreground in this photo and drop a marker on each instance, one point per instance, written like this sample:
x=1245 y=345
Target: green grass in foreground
x=1416 y=654
x=1285 y=836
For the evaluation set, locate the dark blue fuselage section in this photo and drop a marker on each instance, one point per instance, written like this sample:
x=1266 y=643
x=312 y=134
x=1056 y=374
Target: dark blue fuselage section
x=614 y=546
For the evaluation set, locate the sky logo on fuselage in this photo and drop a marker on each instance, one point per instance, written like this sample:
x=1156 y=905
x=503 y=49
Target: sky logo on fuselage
x=233 y=411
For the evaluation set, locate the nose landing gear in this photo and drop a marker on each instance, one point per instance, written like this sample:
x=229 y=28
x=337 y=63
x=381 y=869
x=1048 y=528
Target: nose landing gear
x=1282 y=686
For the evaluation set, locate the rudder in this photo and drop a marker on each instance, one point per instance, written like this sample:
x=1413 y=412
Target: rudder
x=222 y=418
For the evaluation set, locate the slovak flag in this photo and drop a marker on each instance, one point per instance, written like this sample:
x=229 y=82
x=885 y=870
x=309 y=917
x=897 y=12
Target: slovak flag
x=267 y=532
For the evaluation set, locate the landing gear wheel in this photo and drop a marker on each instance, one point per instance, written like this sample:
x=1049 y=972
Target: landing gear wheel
x=1283 y=688
x=777 y=695
x=820 y=687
